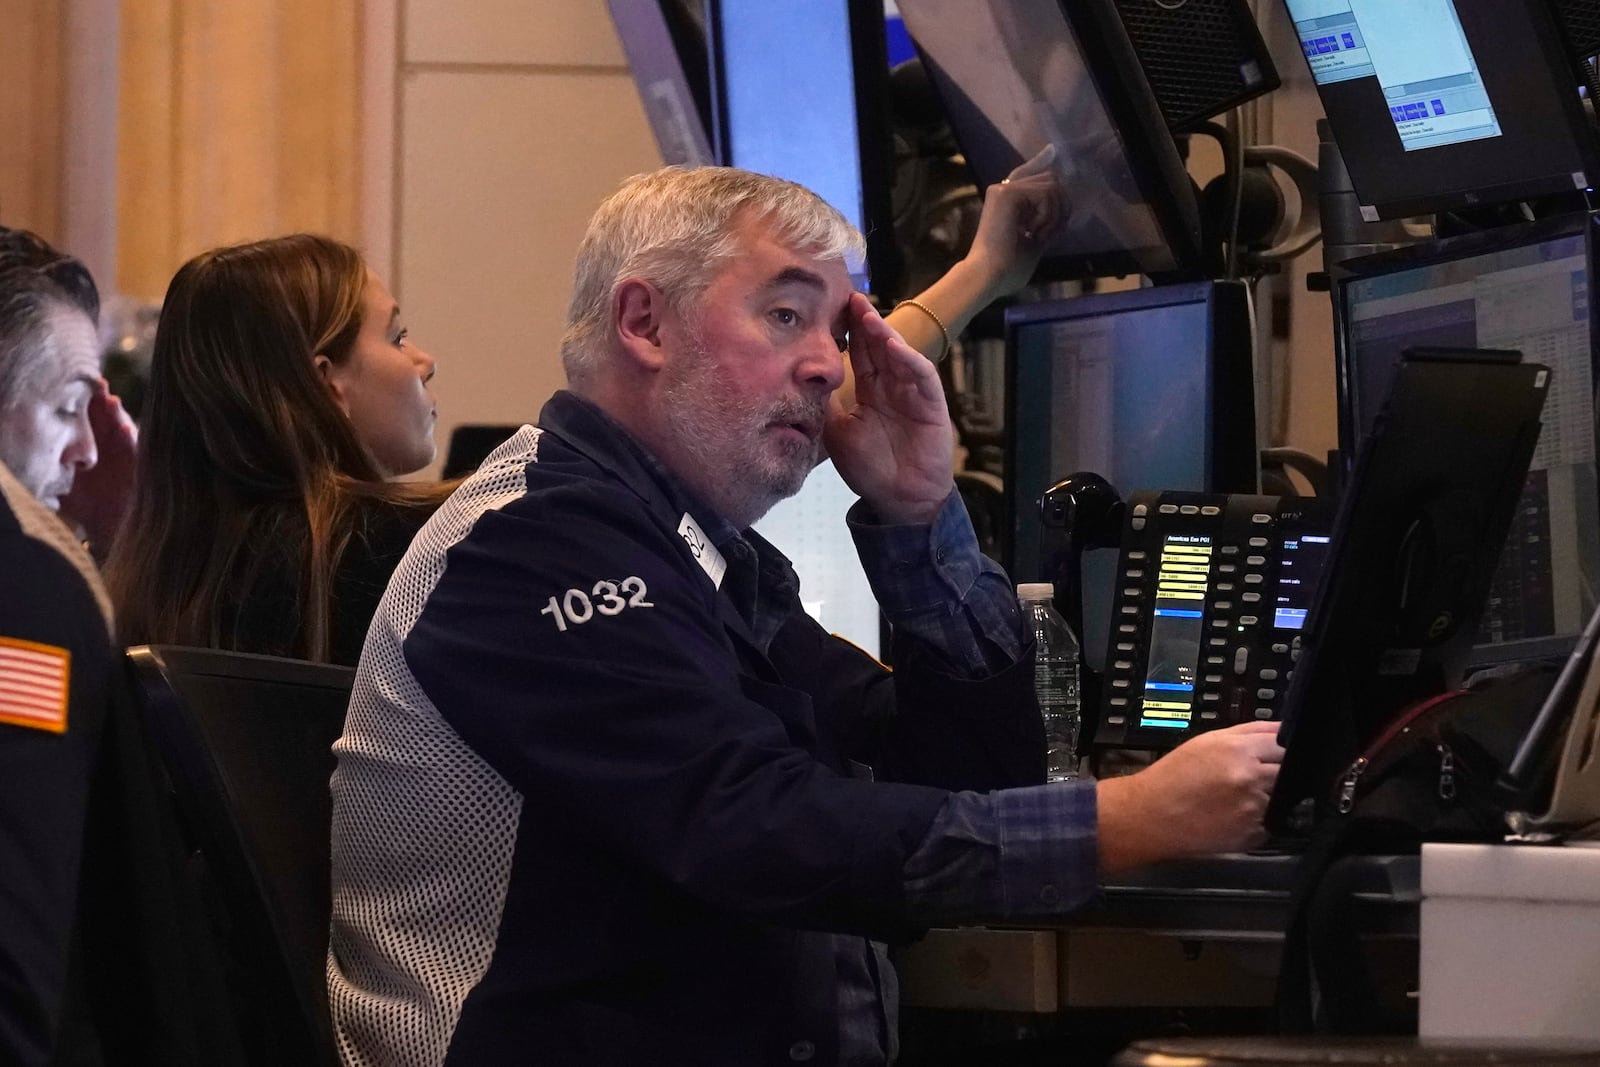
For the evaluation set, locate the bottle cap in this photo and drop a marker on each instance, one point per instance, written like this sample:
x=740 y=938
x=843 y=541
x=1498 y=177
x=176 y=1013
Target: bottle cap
x=1036 y=591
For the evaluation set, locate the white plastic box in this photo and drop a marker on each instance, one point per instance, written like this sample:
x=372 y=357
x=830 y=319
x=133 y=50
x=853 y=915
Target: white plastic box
x=1510 y=941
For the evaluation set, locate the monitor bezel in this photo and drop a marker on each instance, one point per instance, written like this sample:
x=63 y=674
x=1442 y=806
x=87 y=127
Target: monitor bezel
x=649 y=32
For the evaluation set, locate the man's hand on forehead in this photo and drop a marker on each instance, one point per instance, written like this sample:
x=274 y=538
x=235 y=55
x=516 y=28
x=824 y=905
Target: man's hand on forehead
x=891 y=440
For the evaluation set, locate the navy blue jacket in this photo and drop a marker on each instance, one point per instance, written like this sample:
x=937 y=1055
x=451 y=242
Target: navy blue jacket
x=667 y=821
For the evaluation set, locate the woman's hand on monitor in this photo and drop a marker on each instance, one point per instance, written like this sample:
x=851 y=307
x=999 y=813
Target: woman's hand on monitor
x=1019 y=216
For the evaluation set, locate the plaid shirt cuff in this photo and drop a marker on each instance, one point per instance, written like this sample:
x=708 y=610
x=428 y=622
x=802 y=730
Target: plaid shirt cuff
x=1010 y=854
x=934 y=584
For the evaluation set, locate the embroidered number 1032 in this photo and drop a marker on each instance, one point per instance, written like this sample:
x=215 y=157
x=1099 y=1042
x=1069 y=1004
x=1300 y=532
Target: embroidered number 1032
x=606 y=598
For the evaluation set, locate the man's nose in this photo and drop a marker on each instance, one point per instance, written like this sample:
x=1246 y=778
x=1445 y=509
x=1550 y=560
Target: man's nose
x=81 y=451
x=824 y=363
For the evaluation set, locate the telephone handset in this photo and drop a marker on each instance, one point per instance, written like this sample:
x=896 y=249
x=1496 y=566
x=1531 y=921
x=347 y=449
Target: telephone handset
x=1211 y=592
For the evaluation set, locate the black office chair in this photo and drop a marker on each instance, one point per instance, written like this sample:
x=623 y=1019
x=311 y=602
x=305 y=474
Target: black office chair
x=245 y=741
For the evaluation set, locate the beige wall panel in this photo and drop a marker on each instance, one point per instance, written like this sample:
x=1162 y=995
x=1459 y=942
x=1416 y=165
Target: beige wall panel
x=552 y=32
x=239 y=120
x=228 y=81
x=31 y=105
x=319 y=157
x=147 y=190
x=500 y=174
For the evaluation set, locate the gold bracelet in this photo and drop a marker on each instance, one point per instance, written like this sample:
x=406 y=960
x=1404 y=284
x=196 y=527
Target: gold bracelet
x=944 y=334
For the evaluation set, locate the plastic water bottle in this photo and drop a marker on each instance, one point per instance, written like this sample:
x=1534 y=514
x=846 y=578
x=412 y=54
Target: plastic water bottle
x=1055 y=678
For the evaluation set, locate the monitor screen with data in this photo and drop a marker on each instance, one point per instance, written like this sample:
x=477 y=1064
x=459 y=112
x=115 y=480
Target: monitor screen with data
x=1527 y=289
x=1445 y=104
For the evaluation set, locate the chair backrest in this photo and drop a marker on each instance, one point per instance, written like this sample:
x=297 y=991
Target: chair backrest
x=246 y=740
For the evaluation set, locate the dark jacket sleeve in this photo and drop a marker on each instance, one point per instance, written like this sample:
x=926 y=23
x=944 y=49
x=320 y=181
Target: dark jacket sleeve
x=921 y=723
x=44 y=792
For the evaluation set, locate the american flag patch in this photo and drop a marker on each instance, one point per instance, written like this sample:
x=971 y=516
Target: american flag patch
x=33 y=684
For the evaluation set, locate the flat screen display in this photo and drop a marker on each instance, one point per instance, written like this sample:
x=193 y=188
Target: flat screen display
x=1442 y=104
x=1016 y=75
x=800 y=93
x=1527 y=290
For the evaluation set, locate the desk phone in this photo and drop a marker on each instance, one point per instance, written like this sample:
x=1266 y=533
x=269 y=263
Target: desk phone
x=1211 y=592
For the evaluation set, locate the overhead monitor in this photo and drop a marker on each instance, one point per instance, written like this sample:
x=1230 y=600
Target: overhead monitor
x=800 y=91
x=1523 y=288
x=665 y=42
x=1149 y=388
x=1444 y=104
x=1016 y=75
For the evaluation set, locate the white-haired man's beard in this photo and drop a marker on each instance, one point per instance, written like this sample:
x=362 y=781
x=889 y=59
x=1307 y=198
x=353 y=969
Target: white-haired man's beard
x=740 y=465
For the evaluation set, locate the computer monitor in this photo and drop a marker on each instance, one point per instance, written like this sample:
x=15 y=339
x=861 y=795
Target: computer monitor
x=813 y=110
x=665 y=42
x=1433 y=492
x=1015 y=75
x=1523 y=288
x=1149 y=388
x=1443 y=104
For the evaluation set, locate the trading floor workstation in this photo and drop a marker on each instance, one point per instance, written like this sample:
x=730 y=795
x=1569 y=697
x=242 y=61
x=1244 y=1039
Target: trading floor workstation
x=1119 y=446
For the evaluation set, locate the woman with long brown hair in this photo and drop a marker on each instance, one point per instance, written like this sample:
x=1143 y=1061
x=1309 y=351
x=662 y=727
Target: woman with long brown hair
x=284 y=397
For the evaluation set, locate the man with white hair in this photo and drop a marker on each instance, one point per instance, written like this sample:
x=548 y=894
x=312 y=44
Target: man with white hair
x=57 y=419
x=606 y=795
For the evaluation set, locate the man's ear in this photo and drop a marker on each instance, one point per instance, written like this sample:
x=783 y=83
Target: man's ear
x=639 y=311
x=328 y=371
